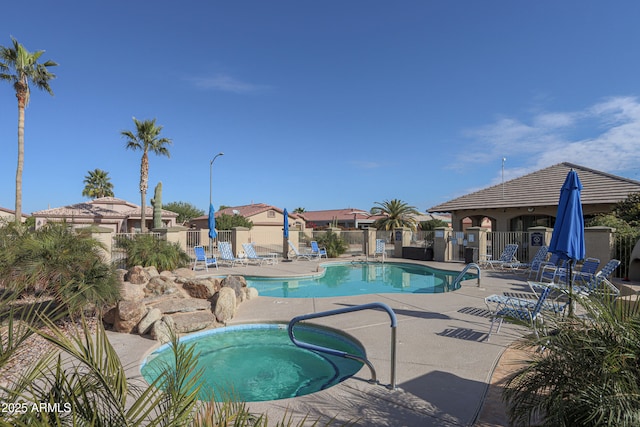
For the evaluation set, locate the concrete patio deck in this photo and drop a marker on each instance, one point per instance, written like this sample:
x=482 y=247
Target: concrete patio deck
x=444 y=363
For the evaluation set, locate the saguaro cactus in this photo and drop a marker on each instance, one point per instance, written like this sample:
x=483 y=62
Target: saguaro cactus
x=156 y=202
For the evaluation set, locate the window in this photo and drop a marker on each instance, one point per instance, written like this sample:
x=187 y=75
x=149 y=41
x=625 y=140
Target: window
x=271 y=214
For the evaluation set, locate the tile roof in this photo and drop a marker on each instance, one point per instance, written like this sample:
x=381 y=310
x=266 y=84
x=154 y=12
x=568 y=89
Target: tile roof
x=542 y=188
x=93 y=209
x=339 y=214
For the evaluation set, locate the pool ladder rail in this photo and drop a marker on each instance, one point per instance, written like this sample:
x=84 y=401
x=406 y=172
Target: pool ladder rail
x=339 y=353
x=460 y=276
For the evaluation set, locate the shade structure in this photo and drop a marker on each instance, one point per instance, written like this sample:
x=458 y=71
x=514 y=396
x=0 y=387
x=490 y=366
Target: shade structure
x=567 y=240
x=212 y=223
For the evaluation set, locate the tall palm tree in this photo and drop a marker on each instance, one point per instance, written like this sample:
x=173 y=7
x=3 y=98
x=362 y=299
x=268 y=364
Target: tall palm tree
x=97 y=184
x=396 y=214
x=21 y=67
x=147 y=138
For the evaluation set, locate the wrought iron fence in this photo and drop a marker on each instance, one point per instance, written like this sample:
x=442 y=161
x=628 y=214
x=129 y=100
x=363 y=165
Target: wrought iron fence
x=497 y=240
x=623 y=246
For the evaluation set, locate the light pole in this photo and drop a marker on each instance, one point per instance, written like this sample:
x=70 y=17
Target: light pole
x=210 y=198
x=211 y=174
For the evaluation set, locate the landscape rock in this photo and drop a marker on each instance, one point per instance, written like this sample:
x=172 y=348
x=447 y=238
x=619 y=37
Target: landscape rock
x=129 y=315
x=237 y=283
x=131 y=292
x=161 y=329
x=160 y=285
x=120 y=274
x=185 y=272
x=250 y=292
x=202 y=288
x=145 y=324
x=191 y=322
x=137 y=275
x=185 y=305
x=225 y=304
x=109 y=316
x=152 y=271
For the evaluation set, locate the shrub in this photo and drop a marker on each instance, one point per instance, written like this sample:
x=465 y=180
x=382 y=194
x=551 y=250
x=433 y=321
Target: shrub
x=57 y=261
x=334 y=244
x=147 y=250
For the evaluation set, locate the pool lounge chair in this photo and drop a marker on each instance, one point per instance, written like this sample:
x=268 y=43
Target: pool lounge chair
x=201 y=256
x=507 y=257
x=380 y=249
x=315 y=249
x=304 y=255
x=516 y=309
x=598 y=284
x=535 y=264
x=250 y=251
x=226 y=254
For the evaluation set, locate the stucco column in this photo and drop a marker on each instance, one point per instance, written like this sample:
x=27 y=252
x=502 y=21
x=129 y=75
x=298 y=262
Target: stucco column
x=477 y=239
x=239 y=235
x=401 y=237
x=103 y=235
x=600 y=243
x=442 y=244
x=369 y=241
x=538 y=236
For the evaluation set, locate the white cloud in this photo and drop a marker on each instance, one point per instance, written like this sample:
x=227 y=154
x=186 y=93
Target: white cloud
x=225 y=83
x=604 y=136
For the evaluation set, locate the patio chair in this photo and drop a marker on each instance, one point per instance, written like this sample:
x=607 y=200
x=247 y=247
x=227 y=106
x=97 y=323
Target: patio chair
x=226 y=254
x=598 y=284
x=380 y=249
x=507 y=257
x=306 y=255
x=519 y=310
x=201 y=256
x=250 y=251
x=535 y=264
x=315 y=249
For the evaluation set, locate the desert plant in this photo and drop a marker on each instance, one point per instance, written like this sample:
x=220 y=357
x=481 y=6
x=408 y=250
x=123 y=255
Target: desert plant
x=333 y=243
x=147 y=250
x=588 y=373
x=59 y=262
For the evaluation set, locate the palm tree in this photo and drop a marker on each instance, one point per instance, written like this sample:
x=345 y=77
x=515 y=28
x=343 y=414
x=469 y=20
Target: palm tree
x=97 y=184
x=146 y=139
x=396 y=214
x=19 y=66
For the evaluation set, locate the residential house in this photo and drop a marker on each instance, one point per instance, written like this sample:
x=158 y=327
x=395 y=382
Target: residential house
x=110 y=212
x=7 y=215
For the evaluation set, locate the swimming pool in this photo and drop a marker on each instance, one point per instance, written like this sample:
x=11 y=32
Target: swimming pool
x=258 y=362
x=359 y=279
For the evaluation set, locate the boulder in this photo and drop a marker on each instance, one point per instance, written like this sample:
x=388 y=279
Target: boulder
x=131 y=292
x=129 y=315
x=185 y=305
x=137 y=275
x=152 y=271
x=184 y=272
x=161 y=329
x=225 y=304
x=145 y=324
x=202 y=288
x=109 y=316
x=167 y=273
x=237 y=283
x=121 y=274
x=160 y=285
x=250 y=292
x=191 y=322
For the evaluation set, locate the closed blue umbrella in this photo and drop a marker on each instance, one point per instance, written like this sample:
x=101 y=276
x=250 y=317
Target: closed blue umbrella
x=285 y=235
x=567 y=240
x=212 y=223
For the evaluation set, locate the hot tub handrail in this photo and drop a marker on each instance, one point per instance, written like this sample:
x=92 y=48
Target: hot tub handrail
x=464 y=270
x=339 y=353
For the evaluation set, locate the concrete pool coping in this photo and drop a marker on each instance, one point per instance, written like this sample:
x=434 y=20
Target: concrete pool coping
x=444 y=363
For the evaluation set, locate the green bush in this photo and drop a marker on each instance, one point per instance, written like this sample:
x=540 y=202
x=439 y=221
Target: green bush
x=57 y=261
x=334 y=244
x=147 y=250
x=588 y=373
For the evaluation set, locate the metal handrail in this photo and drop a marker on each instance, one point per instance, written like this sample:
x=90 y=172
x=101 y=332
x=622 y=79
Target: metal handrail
x=460 y=276
x=339 y=353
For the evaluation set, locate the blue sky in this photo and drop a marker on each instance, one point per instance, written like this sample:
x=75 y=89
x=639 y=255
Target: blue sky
x=325 y=104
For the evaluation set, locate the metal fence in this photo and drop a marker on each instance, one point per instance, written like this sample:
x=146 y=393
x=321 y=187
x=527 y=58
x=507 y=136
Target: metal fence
x=119 y=247
x=623 y=246
x=497 y=240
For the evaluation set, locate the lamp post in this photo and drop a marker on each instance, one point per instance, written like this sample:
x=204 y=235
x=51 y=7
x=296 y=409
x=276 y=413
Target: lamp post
x=210 y=198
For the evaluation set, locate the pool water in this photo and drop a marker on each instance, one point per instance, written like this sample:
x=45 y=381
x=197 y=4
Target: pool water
x=253 y=363
x=360 y=278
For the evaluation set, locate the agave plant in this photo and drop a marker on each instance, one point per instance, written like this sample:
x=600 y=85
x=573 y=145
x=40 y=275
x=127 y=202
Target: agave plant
x=588 y=373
